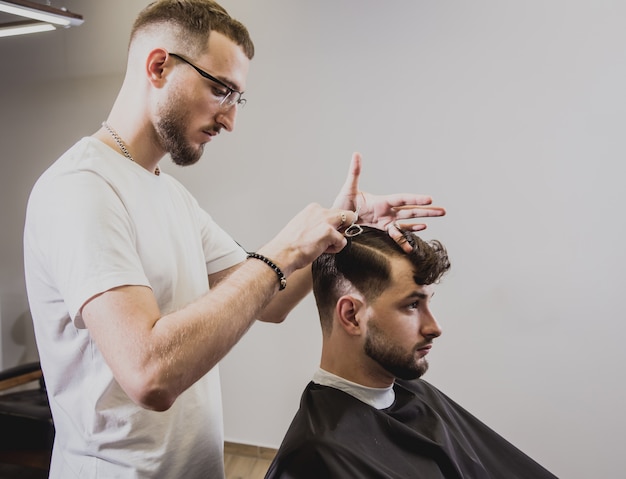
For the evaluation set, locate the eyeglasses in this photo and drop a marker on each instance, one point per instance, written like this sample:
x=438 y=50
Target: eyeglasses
x=229 y=97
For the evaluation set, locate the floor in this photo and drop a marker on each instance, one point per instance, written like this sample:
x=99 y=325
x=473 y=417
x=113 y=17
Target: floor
x=247 y=462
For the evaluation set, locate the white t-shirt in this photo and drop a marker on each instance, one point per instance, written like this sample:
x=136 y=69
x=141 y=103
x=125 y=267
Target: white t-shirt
x=379 y=398
x=95 y=221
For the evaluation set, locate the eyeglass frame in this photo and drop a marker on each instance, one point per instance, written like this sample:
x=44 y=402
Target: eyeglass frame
x=240 y=101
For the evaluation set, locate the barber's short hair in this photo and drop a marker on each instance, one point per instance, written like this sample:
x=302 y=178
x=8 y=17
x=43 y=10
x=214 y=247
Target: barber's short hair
x=194 y=20
x=364 y=264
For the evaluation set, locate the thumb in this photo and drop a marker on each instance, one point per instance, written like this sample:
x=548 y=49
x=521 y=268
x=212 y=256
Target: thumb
x=351 y=186
x=352 y=181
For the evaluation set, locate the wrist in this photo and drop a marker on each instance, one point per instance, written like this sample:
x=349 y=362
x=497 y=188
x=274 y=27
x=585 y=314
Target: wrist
x=282 y=279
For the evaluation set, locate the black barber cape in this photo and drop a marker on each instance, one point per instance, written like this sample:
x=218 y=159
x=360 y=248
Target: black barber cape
x=424 y=434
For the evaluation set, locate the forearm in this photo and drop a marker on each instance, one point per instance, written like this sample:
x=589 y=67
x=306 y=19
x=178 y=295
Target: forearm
x=298 y=286
x=155 y=358
x=213 y=324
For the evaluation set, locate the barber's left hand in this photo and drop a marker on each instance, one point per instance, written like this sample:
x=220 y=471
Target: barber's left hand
x=385 y=212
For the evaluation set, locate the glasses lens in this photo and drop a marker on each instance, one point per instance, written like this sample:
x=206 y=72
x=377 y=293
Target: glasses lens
x=233 y=98
x=230 y=99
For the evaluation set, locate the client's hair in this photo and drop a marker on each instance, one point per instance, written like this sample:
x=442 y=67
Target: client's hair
x=364 y=264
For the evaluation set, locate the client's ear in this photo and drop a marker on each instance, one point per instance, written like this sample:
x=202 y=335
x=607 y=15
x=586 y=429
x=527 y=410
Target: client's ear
x=347 y=310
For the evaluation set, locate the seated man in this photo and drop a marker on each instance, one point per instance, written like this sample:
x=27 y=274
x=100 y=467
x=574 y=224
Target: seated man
x=366 y=414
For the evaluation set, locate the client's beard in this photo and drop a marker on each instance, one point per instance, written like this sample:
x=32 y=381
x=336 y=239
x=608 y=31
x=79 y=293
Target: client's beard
x=400 y=363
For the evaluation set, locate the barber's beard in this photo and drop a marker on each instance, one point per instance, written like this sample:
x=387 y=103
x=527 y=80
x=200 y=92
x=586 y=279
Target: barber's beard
x=171 y=130
x=401 y=363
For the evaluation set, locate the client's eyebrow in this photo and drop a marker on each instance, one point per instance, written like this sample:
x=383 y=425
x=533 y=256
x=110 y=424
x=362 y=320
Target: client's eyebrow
x=420 y=295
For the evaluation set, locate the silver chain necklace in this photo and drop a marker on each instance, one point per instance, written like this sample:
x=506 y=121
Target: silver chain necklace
x=122 y=146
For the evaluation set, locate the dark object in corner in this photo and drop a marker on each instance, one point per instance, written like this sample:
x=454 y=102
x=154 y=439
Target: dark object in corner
x=26 y=428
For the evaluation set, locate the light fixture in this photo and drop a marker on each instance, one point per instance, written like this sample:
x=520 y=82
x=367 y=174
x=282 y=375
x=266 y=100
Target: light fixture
x=22 y=28
x=45 y=17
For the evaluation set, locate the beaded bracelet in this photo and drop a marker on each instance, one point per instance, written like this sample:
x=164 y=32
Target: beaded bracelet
x=281 y=276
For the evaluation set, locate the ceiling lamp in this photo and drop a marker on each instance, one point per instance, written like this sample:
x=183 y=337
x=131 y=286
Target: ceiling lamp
x=42 y=17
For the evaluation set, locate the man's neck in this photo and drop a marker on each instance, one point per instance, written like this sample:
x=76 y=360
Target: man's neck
x=144 y=155
x=357 y=368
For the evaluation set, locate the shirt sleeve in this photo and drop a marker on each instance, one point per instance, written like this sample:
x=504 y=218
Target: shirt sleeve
x=221 y=251
x=87 y=238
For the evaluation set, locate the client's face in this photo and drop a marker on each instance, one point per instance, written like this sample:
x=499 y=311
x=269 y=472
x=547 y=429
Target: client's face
x=400 y=325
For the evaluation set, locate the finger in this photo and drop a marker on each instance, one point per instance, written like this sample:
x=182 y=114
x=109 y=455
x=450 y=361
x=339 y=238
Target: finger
x=337 y=247
x=395 y=233
x=350 y=188
x=417 y=207
x=410 y=226
x=354 y=172
x=400 y=200
x=342 y=219
x=417 y=211
x=355 y=165
x=338 y=242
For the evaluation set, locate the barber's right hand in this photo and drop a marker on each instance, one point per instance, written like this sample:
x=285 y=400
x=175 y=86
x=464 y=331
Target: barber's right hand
x=313 y=231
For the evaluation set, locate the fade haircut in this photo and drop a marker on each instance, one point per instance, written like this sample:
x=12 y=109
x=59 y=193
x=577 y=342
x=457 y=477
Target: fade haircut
x=194 y=20
x=365 y=265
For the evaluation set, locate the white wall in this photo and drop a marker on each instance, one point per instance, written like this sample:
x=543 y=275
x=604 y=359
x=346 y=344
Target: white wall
x=511 y=114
